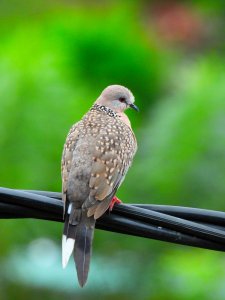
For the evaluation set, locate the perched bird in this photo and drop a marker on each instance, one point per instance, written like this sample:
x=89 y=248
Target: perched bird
x=97 y=154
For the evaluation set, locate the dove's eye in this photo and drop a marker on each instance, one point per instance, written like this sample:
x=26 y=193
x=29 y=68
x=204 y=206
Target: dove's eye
x=122 y=99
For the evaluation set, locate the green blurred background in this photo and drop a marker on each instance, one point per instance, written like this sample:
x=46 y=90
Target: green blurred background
x=55 y=58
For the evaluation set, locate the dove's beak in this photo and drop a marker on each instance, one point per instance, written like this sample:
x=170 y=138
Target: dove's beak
x=132 y=105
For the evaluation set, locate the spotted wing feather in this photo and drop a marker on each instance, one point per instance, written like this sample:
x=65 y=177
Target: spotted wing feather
x=112 y=158
x=67 y=157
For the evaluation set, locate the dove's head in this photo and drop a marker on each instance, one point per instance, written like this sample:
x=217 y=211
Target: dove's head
x=117 y=97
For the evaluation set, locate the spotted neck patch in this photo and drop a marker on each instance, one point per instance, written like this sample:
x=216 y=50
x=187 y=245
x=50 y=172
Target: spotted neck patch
x=104 y=109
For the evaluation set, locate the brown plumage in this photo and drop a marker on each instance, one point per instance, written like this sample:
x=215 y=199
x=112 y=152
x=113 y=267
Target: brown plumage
x=97 y=154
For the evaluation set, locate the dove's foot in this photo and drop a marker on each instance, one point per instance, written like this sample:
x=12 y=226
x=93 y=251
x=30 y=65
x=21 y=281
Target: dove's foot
x=114 y=201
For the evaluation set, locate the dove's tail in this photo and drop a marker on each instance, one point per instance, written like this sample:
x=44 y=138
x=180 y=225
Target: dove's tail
x=77 y=239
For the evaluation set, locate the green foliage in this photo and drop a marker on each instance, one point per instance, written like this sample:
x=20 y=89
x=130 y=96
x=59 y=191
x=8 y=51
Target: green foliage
x=183 y=143
x=53 y=64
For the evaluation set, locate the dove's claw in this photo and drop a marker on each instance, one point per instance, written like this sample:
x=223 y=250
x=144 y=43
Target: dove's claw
x=114 y=201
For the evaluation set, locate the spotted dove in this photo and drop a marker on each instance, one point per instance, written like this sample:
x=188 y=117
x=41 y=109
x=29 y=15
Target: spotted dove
x=97 y=153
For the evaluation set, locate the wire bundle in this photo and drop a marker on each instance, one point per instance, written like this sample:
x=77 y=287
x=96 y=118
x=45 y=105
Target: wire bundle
x=181 y=225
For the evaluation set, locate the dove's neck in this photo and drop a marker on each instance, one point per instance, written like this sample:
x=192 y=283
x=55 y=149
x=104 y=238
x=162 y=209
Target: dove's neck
x=112 y=113
x=124 y=118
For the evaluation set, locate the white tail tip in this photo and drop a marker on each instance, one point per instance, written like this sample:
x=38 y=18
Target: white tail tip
x=67 y=249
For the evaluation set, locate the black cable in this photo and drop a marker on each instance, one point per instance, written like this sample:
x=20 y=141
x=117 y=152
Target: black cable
x=188 y=213
x=159 y=222
x=172 y=222
x=137 y=228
